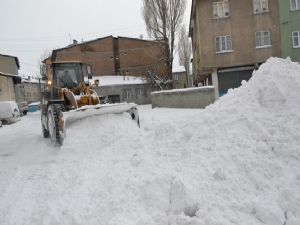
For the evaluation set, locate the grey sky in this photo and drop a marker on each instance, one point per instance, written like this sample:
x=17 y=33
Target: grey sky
x=28 y=27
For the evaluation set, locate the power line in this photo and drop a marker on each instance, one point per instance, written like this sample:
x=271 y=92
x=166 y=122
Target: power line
x=66 y=36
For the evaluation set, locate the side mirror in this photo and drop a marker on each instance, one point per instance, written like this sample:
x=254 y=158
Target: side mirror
x=89 y=69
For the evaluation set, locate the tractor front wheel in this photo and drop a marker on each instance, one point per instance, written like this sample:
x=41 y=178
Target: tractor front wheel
x=56 y=125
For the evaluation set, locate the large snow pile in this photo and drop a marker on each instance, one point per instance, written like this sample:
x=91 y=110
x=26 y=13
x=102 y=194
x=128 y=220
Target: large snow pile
x=252 y=137
x=235 y=163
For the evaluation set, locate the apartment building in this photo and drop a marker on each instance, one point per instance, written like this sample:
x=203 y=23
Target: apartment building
x=231 y=38
x=289 y=11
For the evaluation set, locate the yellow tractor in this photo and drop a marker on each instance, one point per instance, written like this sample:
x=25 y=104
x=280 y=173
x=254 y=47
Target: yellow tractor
x=67 y=97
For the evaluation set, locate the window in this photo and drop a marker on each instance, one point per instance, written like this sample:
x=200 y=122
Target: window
x=139 y=92
x=176 y=77
x=128 y=93
x=260 y=6
x=295 y=5
x=296 y=39
x=223 y=44
x=221 y=9
x=262 y=39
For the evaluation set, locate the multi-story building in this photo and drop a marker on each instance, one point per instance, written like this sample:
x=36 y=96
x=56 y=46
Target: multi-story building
x=231 y=38
x=116 y=56
x=9 y=66
x=289 y=11
x=31 y=90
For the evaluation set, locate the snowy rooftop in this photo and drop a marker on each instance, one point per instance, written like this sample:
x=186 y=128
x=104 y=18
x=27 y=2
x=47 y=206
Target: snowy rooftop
x=118 y=80
x=183 y=89
x=33 y=80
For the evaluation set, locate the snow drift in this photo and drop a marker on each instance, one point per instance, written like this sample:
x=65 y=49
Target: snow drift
x=235 y=163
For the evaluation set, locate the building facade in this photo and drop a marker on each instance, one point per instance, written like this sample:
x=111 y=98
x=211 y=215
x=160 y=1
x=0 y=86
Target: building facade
x=116 y=56
x=231 y=38
x=180 y=78
x=31 y=91
x=136 y=93
x=289 y=11
x=9 y=66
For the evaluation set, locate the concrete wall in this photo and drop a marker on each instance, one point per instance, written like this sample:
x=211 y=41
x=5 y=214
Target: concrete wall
x=185 y=98
x=215 y=82
x=8 y=65
x=137 y=93
x=7 y=91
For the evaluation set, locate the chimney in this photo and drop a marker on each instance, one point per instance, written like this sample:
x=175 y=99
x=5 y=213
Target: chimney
x=75 y=42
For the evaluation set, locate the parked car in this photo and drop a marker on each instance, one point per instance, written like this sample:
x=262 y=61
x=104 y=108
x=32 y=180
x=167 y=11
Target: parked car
x=0 y=123
x=23 y=108
x=9 y=112
x=34 y=106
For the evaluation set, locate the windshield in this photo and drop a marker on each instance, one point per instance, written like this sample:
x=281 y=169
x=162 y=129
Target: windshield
x=67 y=75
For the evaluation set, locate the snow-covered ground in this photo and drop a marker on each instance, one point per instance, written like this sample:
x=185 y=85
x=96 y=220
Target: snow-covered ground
x=235 y=163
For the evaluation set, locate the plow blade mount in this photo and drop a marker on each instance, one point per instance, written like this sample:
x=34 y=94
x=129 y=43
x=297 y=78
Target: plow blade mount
x=88 y=111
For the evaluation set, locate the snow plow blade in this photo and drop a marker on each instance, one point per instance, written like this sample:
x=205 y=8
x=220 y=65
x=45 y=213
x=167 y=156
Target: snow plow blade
x=95 y=110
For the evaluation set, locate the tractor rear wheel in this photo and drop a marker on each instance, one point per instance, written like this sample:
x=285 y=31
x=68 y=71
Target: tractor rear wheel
x=56 y=127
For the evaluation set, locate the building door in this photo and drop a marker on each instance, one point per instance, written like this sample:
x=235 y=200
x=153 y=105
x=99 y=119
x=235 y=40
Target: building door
x=232 y=79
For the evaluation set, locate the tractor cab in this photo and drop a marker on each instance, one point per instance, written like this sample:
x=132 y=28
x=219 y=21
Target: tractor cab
x=64 y=75
x=67 y=75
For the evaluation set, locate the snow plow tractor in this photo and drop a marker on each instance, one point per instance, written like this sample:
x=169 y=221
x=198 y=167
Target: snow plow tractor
x=67 y=97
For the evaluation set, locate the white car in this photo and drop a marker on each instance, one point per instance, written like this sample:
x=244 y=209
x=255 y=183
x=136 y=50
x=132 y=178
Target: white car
x=9 y=112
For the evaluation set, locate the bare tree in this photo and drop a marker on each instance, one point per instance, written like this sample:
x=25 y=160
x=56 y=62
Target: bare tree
x=45 y=54
x=184 y=51
x=163 y=18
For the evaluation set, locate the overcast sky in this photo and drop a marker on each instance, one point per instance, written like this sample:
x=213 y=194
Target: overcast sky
x=29 y=27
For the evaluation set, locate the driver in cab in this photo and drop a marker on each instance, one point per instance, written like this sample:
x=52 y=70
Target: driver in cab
x=66 y=81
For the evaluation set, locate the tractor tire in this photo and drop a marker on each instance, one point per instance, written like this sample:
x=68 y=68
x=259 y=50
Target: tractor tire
x=56 y=127
x=45 y=132
x=44 y=122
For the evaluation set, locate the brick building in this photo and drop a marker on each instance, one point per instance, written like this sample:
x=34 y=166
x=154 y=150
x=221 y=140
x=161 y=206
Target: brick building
x=116 y=56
